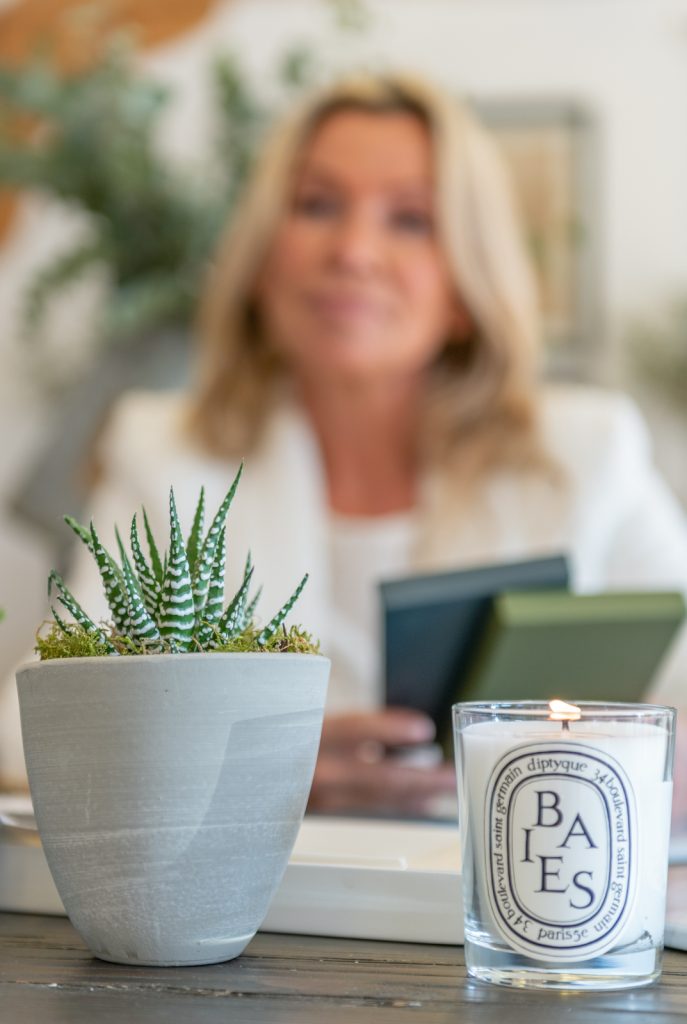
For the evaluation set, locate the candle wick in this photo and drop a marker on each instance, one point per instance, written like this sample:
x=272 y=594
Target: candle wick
x=566 y=725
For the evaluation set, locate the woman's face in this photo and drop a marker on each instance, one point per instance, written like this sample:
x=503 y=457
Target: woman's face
x=355 y=285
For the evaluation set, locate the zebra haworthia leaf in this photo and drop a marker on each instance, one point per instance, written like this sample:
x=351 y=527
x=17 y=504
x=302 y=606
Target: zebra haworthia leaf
x=233 y=621
x=206 y=623
x=195 y=537
x=252 y=604
x=274 y=624
x=203 y=569
x=82 y=532
x=112 y=583
x=67 y=630
x=177 y=610
x=155 y=560
x=151 y=588
x=75 y=609
x=250 y=608
x=141 y=625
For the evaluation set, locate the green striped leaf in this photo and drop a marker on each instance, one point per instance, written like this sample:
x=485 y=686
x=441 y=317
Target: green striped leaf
x=177 y=610
x=64 y=627
x=155 y=560
x=249 y=611
x=203 y=570
x=141 y=625
x=193 y=544
x=113 y=584
x=233 y=621
x=212 y=613
x=82 y=532
x=74 y=608
x=151 y=589
x=252 y=605
x=274 y=624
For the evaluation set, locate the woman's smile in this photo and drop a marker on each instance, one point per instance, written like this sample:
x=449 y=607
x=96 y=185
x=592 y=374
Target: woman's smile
x=347 y=310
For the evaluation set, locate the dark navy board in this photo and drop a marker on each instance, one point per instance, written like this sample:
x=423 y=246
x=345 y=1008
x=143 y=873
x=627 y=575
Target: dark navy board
x=433 y=623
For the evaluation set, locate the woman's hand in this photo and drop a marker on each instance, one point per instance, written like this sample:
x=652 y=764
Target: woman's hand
x=358 y=771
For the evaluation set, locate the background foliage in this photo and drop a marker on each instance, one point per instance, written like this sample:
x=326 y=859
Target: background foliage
x=93 y=145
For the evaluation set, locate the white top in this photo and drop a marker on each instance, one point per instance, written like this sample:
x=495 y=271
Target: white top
x=614 y=517
x=364 y=550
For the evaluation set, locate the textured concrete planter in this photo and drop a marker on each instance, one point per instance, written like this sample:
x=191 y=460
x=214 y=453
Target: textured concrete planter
x=168 y=793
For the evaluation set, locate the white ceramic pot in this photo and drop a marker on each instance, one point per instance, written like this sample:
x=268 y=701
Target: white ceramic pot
x=168 y=792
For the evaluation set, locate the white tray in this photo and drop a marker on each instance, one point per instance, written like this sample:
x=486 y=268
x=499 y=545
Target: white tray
x=346 y=877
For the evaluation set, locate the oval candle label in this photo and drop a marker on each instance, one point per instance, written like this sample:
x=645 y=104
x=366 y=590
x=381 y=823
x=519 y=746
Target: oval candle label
x=560 y=833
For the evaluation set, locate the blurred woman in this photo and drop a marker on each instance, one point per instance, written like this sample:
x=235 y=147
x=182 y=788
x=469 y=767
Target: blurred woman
x=368 y=342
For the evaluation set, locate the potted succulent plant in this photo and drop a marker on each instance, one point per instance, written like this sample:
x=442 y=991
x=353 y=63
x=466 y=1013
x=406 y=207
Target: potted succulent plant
x=170 y=752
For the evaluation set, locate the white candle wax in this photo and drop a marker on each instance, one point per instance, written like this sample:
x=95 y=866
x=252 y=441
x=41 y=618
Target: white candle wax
x=569 y=828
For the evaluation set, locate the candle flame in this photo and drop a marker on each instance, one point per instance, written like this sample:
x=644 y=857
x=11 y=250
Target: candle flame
x=561 y=711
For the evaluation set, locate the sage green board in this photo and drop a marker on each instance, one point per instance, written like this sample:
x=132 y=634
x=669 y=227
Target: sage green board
x=544 y=644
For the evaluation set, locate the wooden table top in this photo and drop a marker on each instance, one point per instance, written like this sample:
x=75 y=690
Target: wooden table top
x=47 y=975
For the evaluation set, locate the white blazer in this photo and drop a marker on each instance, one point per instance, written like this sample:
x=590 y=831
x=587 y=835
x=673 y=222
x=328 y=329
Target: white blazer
x=614 y=516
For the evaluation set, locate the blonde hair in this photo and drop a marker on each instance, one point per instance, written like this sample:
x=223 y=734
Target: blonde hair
x=481 y=406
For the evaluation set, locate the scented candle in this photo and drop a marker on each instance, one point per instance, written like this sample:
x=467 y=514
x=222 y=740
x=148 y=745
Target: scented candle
x=565 y=822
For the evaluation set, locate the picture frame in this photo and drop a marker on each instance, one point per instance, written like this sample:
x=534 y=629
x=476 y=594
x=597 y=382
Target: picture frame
x=551 y=150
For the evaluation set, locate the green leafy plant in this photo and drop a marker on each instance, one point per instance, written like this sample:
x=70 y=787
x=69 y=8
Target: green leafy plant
x=153 y=228
x=171 y=602
x=95 y=150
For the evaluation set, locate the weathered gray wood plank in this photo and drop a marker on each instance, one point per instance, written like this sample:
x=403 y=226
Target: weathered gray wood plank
x=47 y=975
